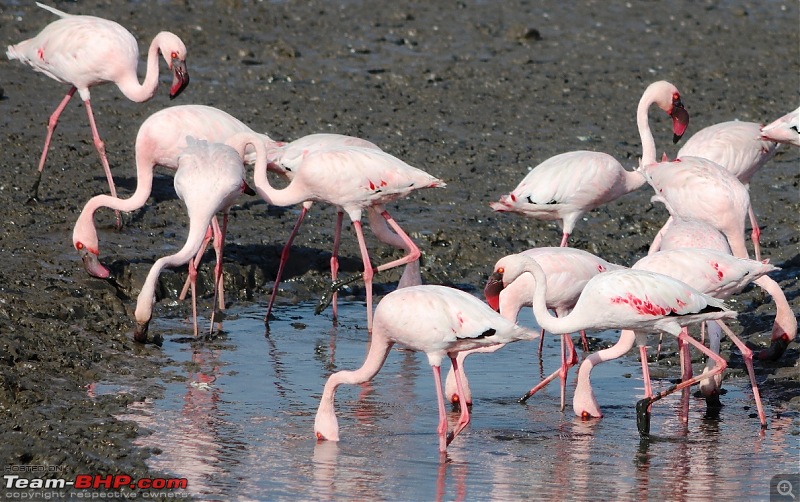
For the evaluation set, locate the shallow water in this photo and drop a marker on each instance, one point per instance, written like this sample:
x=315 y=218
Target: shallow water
x=237 y=421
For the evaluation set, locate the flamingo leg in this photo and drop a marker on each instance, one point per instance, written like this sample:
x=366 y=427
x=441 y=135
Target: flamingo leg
x=441 y=430
x=284 y=258
x=541 y=342
x=686 y=373
x=747 y=354
x=101 y=150
x=413 y=250
x=642 y=412
x=337 y=237
x=564 y=240
x=51 y=126
x=368 y=271
x=585 y=341
x=219 y=291
x=197 y=259
x=464 y=418
x=193 y=281
x=648 y=389
x=755 y=234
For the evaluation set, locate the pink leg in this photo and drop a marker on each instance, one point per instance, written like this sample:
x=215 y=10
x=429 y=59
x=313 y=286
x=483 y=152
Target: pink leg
x=585 y=341
x=463 y=419
x=642 y=407
x=413 y=253
x=51 y=126
x=747 y=355
x=755 y=235
x=541 y=342
x=648 y=389
x=564 y=239
x=335 y=257
x=441 y=430
x=219 y=286
x=284 y=259
x=193 y=281
x=198 y=257
x=561 y=372
x=686 y=373
x=101 y=150
x=368 y=272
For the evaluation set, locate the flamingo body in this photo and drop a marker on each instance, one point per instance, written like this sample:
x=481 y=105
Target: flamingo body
x=694 y=188
x=209 y=179
x=85 y=51
x=436 y=320
x=736 y=146
x=567 y=271
x=162 y=137
x=568 y=185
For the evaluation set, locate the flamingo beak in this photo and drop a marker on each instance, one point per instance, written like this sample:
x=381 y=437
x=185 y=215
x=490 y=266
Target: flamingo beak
x=140 y=331
x=92 y=265
x=680 y=121
x=494 y=285
x=180 y=79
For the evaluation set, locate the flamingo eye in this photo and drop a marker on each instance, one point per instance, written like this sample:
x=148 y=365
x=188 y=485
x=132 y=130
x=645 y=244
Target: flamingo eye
x=174 y=55
x=79 y=246
x=676 y=96
x=501 y=270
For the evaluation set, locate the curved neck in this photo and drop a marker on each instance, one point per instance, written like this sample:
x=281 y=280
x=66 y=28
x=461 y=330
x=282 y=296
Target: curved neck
x=197 y=231
x=292 y=194
x=129 y=83
x=646 y=135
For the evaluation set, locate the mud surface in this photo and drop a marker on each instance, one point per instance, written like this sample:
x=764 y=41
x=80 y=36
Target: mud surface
x=473 y=92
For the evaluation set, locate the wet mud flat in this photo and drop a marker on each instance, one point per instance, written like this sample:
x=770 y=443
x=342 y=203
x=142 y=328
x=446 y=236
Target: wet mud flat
x=475 y=93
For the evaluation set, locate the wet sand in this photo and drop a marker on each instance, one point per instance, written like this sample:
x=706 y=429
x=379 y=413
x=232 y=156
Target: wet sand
x=475 y=93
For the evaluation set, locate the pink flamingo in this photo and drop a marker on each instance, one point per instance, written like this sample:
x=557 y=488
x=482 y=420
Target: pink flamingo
x=694 y=188
x=353 y=178
x=693 y=233
x=437 y=320
x=738 y=147
x=568 y=185
x=715 y=273
x=784 y=130
x=84 y=51
x=634 y=300
x=283 y=158
x=159 y=142
x=210 y=178
x=567 y=271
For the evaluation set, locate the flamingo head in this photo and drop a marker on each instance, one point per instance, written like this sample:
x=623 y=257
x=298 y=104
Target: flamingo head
x=174 y=52
x=494 y=285
x=680 y=117
x=91 y=262
x=140 y=331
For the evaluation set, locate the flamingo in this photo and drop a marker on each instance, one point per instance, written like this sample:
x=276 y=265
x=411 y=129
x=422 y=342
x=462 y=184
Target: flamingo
x=634 y=300
x=567 y=271
x=700 y=189
x=85 y=51
x=693 y=233
x=566 y=186
x=437 y=320
x=283 y=158
x=160 y=141
x=210 y=178
x=716 y=273
x=784 y=129
x=739 y=148
x=354 y=179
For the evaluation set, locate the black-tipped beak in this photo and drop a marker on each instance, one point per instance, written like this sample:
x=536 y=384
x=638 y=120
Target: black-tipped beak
x=140 y=331
x=494 y=285
x=93 y=266
x=680 y=121
x=180 y=78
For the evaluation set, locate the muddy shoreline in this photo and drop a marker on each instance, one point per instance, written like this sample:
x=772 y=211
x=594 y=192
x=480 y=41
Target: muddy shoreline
x=474 y=93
